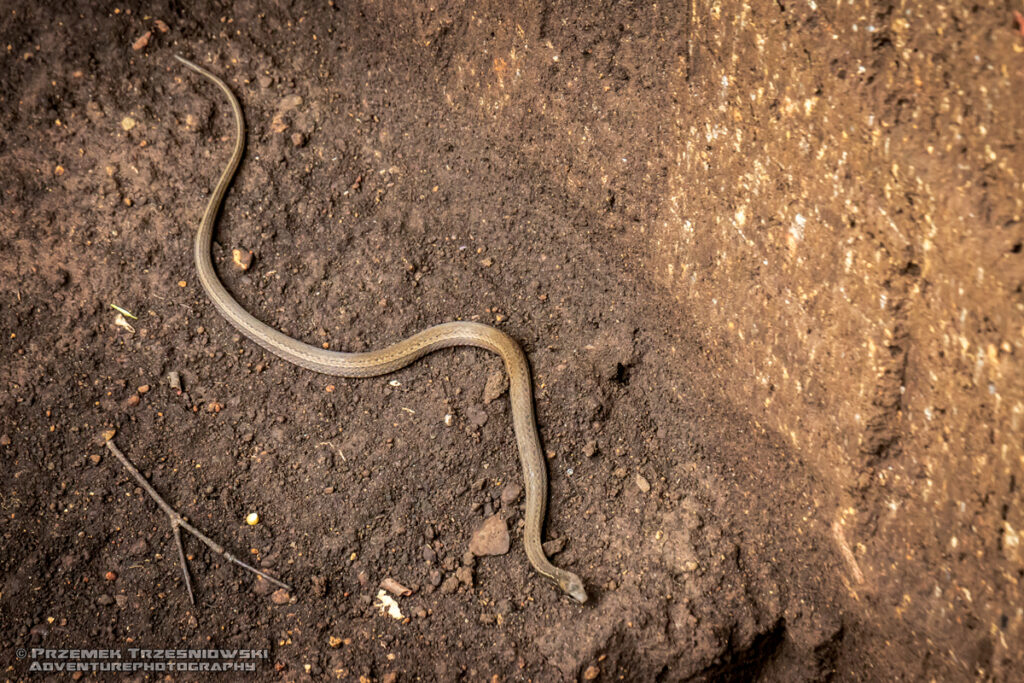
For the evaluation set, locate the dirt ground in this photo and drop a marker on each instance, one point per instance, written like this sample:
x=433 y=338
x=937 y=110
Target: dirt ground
x=407 y=164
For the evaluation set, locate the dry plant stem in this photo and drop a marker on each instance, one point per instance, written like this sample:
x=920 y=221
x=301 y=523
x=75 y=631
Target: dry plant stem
x=178 y=522
x=184 y=563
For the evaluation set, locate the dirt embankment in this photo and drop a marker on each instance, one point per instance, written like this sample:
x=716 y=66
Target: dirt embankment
x=845 y=214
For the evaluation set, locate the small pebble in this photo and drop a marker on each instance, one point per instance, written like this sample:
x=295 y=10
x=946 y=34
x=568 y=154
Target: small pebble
x=280 y=597
x=298 y=139
x=450 y=585
x=642 y=483
x=143 y=389
x=591 y=673
x=395 y=588
x=554 y=546
x=143 y=41
x=261 y=586
x=110 y=576
x=5 y=440
x=95 y=459
x=290 y=102
x=491 y=538
x=465 y=575
x=496 y=385
x=510 y=493
x=132 y=401
x=252 y=519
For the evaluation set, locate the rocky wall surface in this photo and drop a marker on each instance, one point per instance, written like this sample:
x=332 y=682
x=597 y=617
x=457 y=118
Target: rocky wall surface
x=844 y=218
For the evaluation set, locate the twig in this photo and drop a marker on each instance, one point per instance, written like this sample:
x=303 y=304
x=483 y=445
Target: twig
x=124 y=312
x=178 y=522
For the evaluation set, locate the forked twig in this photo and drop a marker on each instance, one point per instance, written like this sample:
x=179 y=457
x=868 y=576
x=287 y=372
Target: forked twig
x=178 y=522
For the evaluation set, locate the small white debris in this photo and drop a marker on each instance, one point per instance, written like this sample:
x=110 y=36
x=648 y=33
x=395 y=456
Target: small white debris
x=387 y=605
x=448 y=419
x=121 y=322
x=252 y=519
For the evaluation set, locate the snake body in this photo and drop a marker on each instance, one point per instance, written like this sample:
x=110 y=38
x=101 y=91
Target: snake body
x=391 y=358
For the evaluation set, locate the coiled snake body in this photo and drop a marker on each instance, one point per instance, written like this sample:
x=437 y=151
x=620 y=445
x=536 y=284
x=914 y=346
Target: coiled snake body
x=391 y=358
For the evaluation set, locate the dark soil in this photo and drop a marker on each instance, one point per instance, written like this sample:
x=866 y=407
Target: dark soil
x=406 y=166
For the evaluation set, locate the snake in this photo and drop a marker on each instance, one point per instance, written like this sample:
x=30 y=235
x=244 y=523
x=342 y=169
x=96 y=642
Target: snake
x=391 y=358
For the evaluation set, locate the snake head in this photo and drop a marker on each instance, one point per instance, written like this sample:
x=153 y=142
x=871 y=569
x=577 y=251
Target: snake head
x=573 y=587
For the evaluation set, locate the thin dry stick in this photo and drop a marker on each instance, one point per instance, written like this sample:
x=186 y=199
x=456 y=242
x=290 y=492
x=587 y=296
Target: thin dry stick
x=178 y=522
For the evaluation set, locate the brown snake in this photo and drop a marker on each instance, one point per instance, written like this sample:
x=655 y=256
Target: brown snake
x=391 y=358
